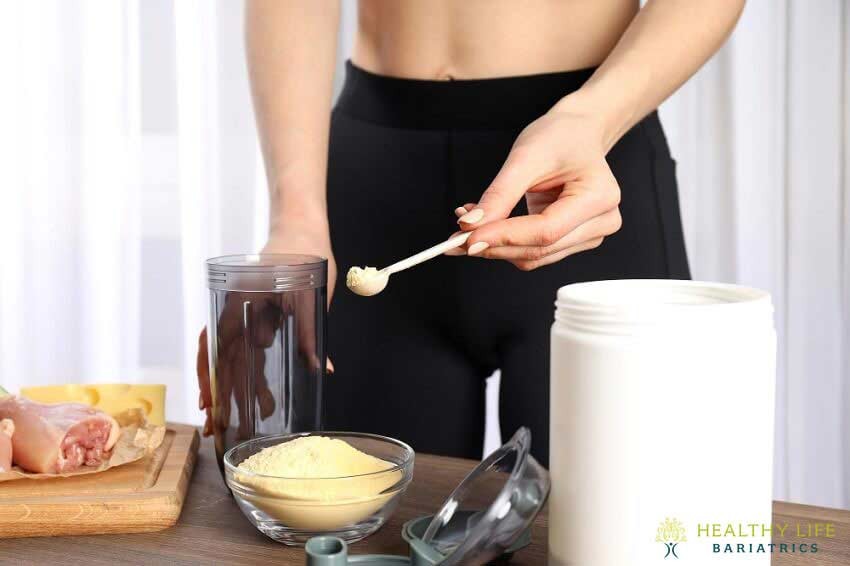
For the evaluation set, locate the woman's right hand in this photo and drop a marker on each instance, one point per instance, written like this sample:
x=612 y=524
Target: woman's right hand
x=232 y=362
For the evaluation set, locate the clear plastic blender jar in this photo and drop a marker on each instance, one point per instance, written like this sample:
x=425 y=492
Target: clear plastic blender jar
x=266 y=341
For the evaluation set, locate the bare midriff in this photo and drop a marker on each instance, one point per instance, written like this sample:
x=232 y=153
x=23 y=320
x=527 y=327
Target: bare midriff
x=470 y=39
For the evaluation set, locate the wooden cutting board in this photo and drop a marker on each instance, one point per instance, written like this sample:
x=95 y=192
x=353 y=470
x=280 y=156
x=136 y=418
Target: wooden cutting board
x=146 y=495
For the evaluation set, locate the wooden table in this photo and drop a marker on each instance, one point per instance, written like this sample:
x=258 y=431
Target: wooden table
x=212 y=529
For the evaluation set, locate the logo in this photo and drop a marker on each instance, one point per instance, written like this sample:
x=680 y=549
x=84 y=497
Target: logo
x=671 y=532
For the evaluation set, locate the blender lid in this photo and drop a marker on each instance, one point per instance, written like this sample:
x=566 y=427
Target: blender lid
x=492 y=507
x=487 y=515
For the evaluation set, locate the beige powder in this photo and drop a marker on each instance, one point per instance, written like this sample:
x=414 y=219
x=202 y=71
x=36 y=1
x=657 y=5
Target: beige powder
x=359 y=275
x=366 y=281
x=317 y=483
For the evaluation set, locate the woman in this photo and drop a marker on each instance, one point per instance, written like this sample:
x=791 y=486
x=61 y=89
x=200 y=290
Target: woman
x=534 y=122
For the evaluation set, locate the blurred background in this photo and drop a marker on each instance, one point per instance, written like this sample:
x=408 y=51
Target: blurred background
x=128 y=155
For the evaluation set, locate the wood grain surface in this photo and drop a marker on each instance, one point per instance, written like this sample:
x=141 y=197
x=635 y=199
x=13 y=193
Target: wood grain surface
x=146 y=495
x=212 y=530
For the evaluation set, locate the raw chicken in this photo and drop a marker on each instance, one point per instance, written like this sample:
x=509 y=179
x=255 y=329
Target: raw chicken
x=7 y=429
x=58 y=438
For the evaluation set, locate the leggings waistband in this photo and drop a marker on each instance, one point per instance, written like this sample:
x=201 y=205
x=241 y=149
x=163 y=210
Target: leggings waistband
x=486 y=104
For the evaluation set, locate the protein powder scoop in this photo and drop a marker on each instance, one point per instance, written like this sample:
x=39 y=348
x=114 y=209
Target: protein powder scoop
x=368 y=281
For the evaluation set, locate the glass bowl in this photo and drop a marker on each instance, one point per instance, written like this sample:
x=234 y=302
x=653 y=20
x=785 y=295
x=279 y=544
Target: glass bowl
x=292 y=510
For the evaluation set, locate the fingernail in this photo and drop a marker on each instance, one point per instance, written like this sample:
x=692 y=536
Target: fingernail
x=473 y=216
x=477 y=248
x=460 y=211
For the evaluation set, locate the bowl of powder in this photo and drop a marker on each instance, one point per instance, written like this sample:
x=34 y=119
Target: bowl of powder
x=296 y=486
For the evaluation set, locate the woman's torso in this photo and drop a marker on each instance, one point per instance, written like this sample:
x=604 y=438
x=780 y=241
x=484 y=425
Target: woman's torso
x=443 y=39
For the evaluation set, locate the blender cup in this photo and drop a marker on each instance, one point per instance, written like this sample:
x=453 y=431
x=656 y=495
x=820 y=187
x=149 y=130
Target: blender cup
x=266 y=343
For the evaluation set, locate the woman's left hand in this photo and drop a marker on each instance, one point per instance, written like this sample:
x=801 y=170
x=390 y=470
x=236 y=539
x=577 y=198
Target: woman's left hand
x=558 y=164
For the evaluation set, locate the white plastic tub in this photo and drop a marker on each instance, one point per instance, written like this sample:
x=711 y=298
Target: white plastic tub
x=662 y=407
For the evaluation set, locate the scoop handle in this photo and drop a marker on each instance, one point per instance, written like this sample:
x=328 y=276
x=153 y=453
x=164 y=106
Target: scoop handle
x=430 y=253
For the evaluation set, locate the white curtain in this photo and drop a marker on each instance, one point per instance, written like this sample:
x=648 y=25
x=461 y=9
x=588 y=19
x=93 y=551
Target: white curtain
x=69 y=213
x=762 y=139
x=128 y=155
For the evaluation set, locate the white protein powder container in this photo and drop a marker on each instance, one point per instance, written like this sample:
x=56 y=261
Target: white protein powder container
x=662 y=414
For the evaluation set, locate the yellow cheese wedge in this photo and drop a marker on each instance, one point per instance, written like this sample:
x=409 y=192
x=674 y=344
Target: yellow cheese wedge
x=112 y=398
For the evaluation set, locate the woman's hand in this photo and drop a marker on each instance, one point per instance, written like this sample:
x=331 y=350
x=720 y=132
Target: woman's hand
x=558 y=164
x=268 y=309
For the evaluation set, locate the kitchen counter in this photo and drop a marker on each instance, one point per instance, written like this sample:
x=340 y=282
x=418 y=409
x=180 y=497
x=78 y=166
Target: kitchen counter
x=211 y=529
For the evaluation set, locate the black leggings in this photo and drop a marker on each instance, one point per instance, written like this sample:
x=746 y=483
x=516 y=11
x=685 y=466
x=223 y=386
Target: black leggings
x=412 y=362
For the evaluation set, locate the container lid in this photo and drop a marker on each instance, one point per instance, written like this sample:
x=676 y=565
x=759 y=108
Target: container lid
x=486 y=516
x=266 y=272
